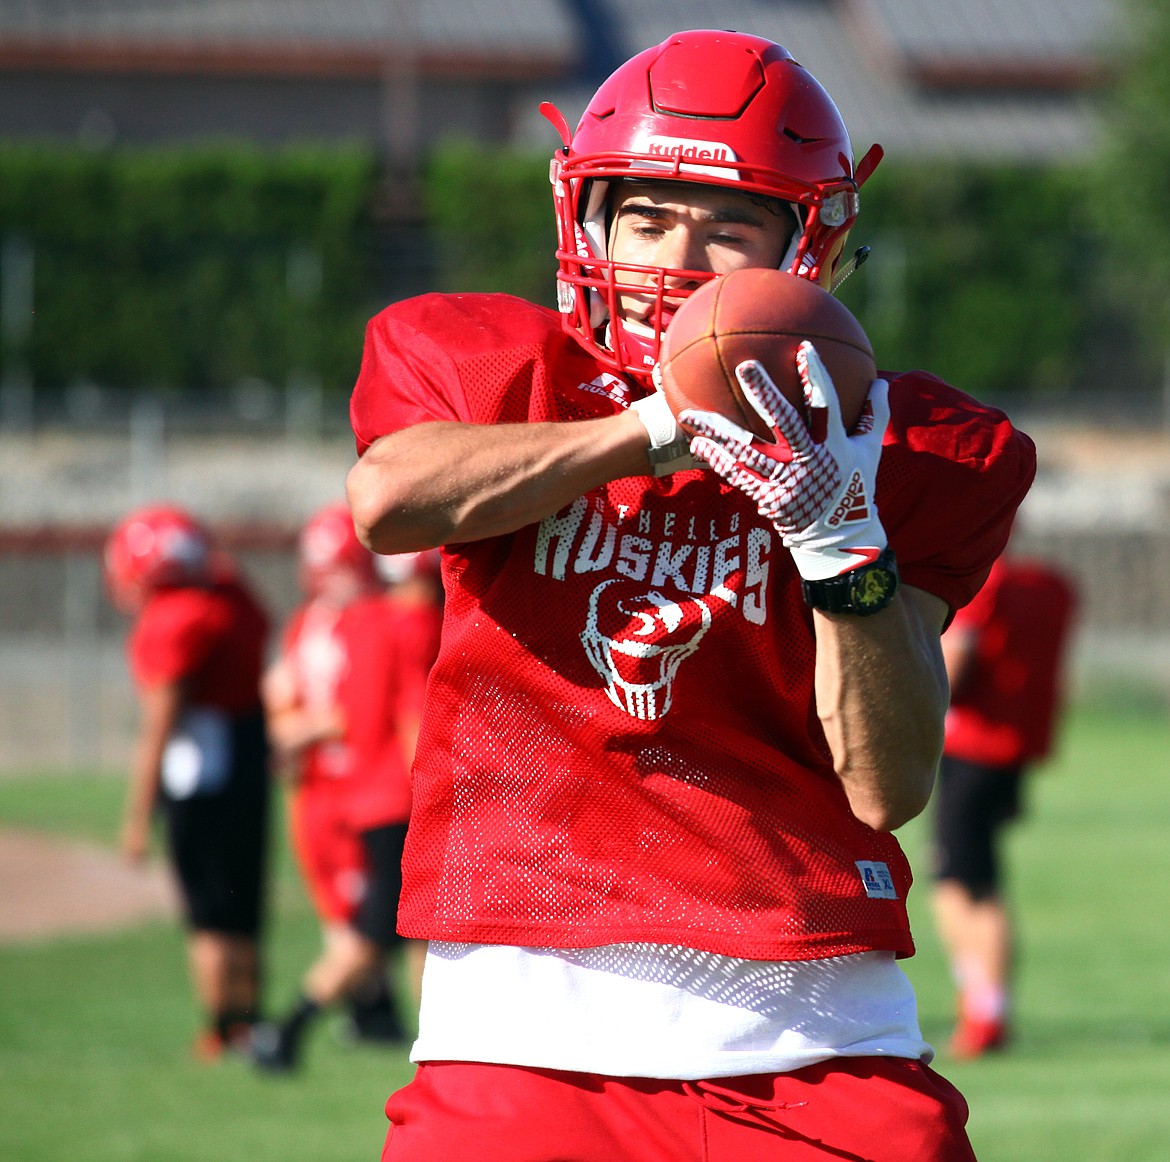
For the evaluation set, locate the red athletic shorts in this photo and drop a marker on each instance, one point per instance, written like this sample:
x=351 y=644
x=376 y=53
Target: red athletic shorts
x=330 y=853
x=866 y=1109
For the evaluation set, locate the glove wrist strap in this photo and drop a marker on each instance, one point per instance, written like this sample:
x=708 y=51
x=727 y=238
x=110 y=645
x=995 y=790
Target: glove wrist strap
x=819 y=562
x=670 y=447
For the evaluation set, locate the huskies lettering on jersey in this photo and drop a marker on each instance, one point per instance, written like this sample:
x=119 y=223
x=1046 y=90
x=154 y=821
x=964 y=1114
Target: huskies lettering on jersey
x=663 y=577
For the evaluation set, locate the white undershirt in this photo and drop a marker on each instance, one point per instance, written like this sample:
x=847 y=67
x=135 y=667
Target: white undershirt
x=654 y=1010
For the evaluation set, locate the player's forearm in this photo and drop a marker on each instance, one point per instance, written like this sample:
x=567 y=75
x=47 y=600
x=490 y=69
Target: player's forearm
x=443 y=483
x=293 y=729
x=160 y=707
x=958 y=647
x=145 y=771
x=882 y=697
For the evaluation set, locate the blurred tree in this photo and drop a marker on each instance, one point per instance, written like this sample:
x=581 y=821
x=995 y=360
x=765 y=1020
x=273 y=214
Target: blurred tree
x=491 y=214
x=982 y=273
x=1130 y=205
x=987 y=274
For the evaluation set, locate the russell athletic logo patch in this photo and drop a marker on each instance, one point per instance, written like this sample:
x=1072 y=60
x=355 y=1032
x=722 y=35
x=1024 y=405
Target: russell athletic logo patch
x=876 y=879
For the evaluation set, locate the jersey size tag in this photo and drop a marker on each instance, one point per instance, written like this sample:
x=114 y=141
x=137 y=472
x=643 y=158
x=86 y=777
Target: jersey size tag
x=876 y=879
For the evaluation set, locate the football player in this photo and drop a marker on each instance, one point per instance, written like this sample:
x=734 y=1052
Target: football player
x=678 y=708
x=196 y=651
x=1005 y=655
x=343 y=702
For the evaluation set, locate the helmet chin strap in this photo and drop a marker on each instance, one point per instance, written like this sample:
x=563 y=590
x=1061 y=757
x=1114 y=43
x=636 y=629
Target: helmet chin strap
x=636 y=340
x=860 y=255
x=794 y=243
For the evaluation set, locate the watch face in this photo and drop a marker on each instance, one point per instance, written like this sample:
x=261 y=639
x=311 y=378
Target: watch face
x=863 y=591
x=872 y=588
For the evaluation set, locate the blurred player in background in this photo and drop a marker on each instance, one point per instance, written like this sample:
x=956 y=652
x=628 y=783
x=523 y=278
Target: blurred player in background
x=678 y=710
x=196 y=654
x=344 y=701
x=1005 y=656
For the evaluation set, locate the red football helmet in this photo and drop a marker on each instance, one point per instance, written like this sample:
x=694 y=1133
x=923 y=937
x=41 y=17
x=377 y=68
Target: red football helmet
x=153 y=547
x=718 y=108
x=329 y=546
x=394 y=568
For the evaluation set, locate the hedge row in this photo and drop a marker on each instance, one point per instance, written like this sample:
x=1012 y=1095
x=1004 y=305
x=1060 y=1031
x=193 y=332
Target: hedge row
x=987 y=275
x=189 y=269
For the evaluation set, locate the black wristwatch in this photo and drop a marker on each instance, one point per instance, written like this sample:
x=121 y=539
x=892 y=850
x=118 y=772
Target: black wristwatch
x=862 y=591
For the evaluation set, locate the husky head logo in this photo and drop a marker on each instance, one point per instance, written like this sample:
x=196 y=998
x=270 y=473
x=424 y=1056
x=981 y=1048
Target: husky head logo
x=637 y=640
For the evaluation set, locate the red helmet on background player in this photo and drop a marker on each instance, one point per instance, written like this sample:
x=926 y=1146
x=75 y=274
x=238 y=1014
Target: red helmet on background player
x=154 y=547
x=395 y=568
x=718 y=108
x=329 y=549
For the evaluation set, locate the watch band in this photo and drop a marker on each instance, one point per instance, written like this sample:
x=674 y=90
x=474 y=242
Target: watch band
x=670 y=458
x=862 y=591
x=670 y=448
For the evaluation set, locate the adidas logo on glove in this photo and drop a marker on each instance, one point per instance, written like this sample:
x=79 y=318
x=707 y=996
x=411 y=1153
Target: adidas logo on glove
x=852 y=506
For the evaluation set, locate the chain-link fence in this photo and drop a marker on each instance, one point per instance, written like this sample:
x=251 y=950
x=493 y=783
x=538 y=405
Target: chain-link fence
x=254 y=466
x=65 y=694
x=66 y=701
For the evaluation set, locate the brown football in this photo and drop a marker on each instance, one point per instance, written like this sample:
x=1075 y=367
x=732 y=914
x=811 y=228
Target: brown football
x=762 y=314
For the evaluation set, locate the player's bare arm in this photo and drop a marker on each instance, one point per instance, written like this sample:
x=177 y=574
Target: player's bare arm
x=293 y=726
x=443 y=483
x=161 y=706
x=882 y=696
x=880 y=680
x=958 y=646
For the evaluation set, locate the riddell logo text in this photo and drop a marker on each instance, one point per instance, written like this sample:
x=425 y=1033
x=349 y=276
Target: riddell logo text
x=683 y=150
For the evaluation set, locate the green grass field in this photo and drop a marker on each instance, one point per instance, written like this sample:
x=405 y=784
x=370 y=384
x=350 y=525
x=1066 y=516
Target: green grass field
x=94 y=1031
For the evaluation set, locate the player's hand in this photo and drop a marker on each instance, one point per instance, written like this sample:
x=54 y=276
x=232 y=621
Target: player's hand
x=328 y=723
x=135 y=838
x=820 y=496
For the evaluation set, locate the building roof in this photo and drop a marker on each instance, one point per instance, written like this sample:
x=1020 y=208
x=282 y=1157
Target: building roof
x=966 y=77
x=1007 y=77
x=341 y=36
x=432 y=23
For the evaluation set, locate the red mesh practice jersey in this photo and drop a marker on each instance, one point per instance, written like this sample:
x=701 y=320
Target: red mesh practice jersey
x=1004 y=709
x=213 y=638
x=620 y=741
x=371 y=659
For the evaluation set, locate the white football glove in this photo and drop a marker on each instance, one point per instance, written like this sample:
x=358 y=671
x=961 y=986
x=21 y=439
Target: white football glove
x=822 y=500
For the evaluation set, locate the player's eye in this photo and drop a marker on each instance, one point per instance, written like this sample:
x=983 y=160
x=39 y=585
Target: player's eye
x=730 y=237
